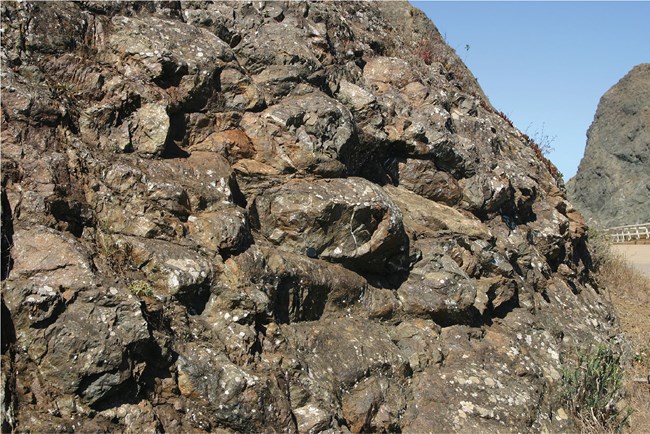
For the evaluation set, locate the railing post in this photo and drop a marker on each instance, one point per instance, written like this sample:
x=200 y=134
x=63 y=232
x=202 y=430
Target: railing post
x=621 y=234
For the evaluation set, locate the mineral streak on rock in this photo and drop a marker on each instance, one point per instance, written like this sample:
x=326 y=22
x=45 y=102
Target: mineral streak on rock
x=612 y=185
x=274 y=217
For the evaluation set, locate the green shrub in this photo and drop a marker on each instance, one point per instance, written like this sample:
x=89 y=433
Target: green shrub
x=593 y=390
x=140 y=288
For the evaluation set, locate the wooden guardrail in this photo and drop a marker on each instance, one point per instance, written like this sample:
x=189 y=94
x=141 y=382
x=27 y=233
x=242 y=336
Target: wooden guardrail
x=630 y=233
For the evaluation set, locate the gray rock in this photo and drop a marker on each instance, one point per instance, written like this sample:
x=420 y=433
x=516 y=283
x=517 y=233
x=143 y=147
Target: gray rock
x=355 y=97
x=155 y=198
x=53 y=30
x=279 y=56
x=350 y=221
x=341 y=346
x=423 y=178
x=384 y=71
x=612 y=185
x=424 y=217
x=437 y=288
x=51 y=259
x=151 y=126
x=91 y=349
x=169 y=54
x=312 y=133
x=224 y=231
x=481 y=405
x=171 y=269
x=239 y=91
x=234 y=396
x=311 y=419
x=308 y=289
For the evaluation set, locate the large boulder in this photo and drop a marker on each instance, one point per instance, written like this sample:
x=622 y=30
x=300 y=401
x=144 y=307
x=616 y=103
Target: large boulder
x=350 y=221
x=93 y=347
x=170 y=53
x=438 y=288
x=50 y=258
x=312 y=133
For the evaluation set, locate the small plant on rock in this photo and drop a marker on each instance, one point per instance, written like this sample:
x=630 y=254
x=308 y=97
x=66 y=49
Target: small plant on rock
x=593 y=389
x=642 y=357
x=425 y=51
x=140 y=288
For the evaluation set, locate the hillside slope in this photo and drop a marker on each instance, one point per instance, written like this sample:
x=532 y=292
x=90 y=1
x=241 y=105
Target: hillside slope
x=274 y=217
x=612 y=185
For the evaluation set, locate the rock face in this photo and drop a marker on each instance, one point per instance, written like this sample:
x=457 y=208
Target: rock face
x=274 y=217
x=612 y=185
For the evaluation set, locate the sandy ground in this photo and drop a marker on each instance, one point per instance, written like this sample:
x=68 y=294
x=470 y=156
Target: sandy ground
x=638 y=255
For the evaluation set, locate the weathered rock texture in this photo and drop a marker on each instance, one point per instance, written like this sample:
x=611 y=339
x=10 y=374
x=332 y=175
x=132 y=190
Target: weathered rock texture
x=280 y=217
x=612 y=185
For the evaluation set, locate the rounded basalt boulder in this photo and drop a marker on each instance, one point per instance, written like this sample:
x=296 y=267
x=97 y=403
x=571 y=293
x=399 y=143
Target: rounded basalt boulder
x=312 y=133
x=350 y=221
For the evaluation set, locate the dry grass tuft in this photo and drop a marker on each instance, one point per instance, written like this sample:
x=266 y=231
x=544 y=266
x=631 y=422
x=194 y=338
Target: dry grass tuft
x=630 y=295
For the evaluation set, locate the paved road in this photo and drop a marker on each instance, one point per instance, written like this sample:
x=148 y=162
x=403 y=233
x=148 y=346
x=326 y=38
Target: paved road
x=637 y=254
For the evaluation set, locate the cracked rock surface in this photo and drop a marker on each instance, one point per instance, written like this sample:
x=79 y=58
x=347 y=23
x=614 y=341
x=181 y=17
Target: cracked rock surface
x=274 y=217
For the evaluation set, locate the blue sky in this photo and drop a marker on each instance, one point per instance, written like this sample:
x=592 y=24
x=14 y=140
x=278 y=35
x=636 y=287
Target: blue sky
x=546 y=64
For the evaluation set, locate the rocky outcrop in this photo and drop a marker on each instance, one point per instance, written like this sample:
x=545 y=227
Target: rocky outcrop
x=274 y=217
x=612 y=185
